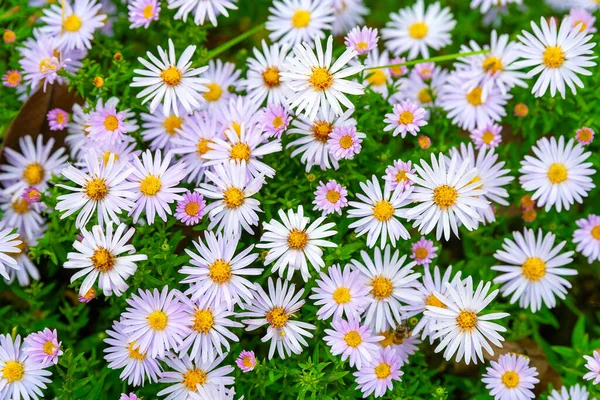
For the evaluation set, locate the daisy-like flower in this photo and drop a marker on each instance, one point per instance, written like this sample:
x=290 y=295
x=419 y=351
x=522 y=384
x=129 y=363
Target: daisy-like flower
x=291 y=243
x=31 y=195
x=294 y=21
x=43 y=347
x=275 y=120
x=231 y=188
x=557 y=55
x=204 y=9
x=377 y=79
x=246 y=361
x=123 y=353
x=276 y=310
x=415 y=30
x=488 y=137
x=461 y=326
x=169 y=81
x=102 y=188
x=587 y=237
x=191 y=208
x=584 y=135
x=73 y=24
x=423 y=85
x=155 y=181
x=379 y=212
x=33 y=166
x=472 y=108
x=316 y=82
x=576 y=392
x=390 y=282
x=189 y=377
x=485 y=5
x=348 y=14
x=406 y=117
x=510 y=378
x=143 y=12
x=447 y=195
x=22 y=215
x=532 y=271
x=352 y=340
x=156 y=321
x=57 y=119
x=362 y=40
x=395 y=174
x=340 y=292
x=20 y=375
x=11 y=78
x=593 y=365
x=101 y=256
x=108 y=126
x=376 y=377
x=263 y=79
x=558 y=174
x=216 y=274
x=583 y=20
x=330 y=197
x=423 y=252
x=161 y=130
x=220 y=77
x=344 y=142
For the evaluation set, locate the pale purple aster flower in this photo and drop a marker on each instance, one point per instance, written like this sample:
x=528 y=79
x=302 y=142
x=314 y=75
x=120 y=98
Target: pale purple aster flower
x=105 y=124
x=143 y=12
x=190 y=209
x=246 y=361
x=583 y=20
x=584 y=135
x=395 y=174
x=155 y=320
x=488 y=137
x=275 y=120
x=510 y=378
x=31 y=195
x=423 y=251
x=407 y=117
x=593 y=364
x=397 y=72
x=43 y=347
x=587 y=237
x=57 y=119
x=345 y=142
x=377 y=376
x=352 y=340
x=340 y=292
x=363 y=40
x=577 y=392
x=12 y=78
x=330 y=197
x=130 y=396
x=425 y=70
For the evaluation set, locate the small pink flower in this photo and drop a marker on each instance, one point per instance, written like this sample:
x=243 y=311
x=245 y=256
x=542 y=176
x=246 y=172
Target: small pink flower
x=344 y=142
x=330 y=197
x=397 y=72
x=246 y=361
x=143 y=12
x=423 y=251
x=363 y=40
x=12 y=78
x=130 y=396
x=191 y=208
x=584 y=135
x=407 y=117
x=396 y=174
x=43 y=347
x=425 y=70
x=275 y=120
x=57 y=119
x=91 y=294
x=582 y=20
x=31 y=195
x=487 y=138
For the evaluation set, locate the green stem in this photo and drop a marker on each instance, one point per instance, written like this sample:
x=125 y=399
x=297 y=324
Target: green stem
x=215 y=52
x=432 y=59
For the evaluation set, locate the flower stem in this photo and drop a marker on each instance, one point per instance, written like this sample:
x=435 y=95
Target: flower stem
x=432 y=59
x=215 y=52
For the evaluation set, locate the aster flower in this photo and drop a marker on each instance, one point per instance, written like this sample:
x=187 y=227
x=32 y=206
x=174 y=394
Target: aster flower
x=155 y=185
x=293 y=241
x=204 y=10
x=557 y=174
x=395 y=174
x=423 y=251
x=246 y=361
x=488 y=137
x=74 y=25
x=31 y=195
x=108 y=126
x=406 y=117
x=344 y=142
x=170 y=82
x=362 y=40
x=340 y=292
x=576 y=392
x=263 y=79
x=294 y=21
x=43 y=347
x=11 y=78
x=379 y=212
x=377 y=376
x=584 y=135
x=593 y=365
x=191 y=208
x=143 y=12
x=162 y=130
x=583 y=20
x=315 y=81
x=558 y=55
x=347 y=15
x=400 y=70
x=101 y=256
x=416 y=29
x=220 y=77
x=587 y=237
x=277 y=310
x=330 y=197
x=510 y=378
x=377 y=79
x=275 y=120
x=20 y=214
x=57 y=119
x=423 y=85
x=464 y=331
x=352 y=340
x=216 y=274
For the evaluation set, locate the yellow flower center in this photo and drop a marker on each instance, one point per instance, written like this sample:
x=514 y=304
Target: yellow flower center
x=103 y=260
x=353 y=339
x=13 y=371
x=401 y=176
x=111 y=123
x=203 y=321
x=554 y=57
x=382 y=287
x=148 y=12
x=271 y=77
x=171 y=123
x=297 y=239
x=9 y=36
x=171 y=76
x=214 y=92
x=425 y=95
x=321 y=130
x=377 y=78
x=20 y=206
x=277 y=317
x=510 y=379
x=192 y=209
x=434 y=301
x=233 y=197
x=444 y=196
x=219 y=271
x=596 y=232
x=332 y=196
x=406 y=118
x=158 y=320
x=492 y=64
x=383 y=210
x=382 y=371
x=46 y=65
x=90 y=294
x=60 y=118
x=584 y=134
x=534 y=269
x=320 y=78
x=341 y=295
x=203 y=146
x=466 y=320
x=557 y=173
x=14 y=78
x=192 y=378
x=582 y=25
x=278 y=122
x=237 y=128
x=150 y=185
x=301 y=19
x=346 y=142
x=247 y=362
x=418 y=30
x=240 y=151
x=474 y=97
x=96 y=189
x=72 y=23
x=487 y=137
x=49 y=347
x=361 y=46
x=135 y=353
x=33 y=174
x=421 y=253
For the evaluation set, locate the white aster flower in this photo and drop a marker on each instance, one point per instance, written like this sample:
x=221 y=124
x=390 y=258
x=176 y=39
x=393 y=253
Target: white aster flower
x=295 y=21
x=220 y=76
x=9 y=244
x=161 y=130
x=263 y=79
x=202 y=9
x=576 y=392
x=348 y=14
